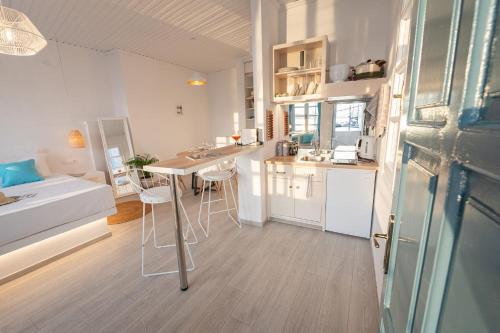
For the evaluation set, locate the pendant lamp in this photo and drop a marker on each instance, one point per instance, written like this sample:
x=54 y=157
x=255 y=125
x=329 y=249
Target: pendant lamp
x=197 y=79
x=18 y=35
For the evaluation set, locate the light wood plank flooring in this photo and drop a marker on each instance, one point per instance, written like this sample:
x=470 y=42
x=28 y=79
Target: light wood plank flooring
x=279 y=278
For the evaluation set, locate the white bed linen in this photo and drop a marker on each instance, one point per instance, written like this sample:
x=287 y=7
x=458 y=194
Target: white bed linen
x=58 y=200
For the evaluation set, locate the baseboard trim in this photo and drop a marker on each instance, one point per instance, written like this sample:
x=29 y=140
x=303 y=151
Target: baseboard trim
x=296 y=223
x=253 y=223
x=52 y=259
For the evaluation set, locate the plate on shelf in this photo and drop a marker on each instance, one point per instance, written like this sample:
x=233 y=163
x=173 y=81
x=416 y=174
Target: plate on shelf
x=287 y=69
x=311 y=87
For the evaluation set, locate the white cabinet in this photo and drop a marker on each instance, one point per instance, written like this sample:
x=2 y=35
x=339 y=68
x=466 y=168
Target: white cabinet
x=280 y=196
x=349 y=201
x=308 y=198
x=296 y=193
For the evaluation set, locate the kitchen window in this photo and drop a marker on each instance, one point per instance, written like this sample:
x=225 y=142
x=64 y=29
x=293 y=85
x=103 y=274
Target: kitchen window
x=349 y=117
x=305 y=117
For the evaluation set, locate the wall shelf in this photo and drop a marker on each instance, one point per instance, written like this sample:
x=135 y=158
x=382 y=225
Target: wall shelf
x=307 y=82
x=299 y=72
x=353 y=89
x=249 y=95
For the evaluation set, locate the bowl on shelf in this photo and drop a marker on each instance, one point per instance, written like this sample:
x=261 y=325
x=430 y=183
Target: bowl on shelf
x=340 y=72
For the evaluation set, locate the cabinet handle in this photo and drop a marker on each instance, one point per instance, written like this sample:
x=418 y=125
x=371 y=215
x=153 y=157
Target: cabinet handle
x=281 y=172
x=297 y=187
x=290 y=186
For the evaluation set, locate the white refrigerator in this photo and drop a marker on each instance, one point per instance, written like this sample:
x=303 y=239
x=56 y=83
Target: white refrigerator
x=349 y=201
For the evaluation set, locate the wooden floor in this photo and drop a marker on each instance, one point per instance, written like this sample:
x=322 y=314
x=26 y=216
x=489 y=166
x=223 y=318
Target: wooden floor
x=279 y=278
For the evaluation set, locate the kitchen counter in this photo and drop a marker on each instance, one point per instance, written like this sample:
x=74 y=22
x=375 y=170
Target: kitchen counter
x=181 y=165
x=293 y=160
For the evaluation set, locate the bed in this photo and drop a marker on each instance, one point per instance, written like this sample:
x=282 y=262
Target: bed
x=53 y=217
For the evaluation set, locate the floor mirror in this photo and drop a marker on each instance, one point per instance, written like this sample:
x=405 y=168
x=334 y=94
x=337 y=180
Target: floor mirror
x=118 y=149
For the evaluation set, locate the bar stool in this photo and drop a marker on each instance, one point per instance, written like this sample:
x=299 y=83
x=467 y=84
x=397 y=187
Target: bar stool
x=223 y=173
x=154 y=189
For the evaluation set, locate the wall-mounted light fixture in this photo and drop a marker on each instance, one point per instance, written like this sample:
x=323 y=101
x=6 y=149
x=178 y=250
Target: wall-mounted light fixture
x=75 y=139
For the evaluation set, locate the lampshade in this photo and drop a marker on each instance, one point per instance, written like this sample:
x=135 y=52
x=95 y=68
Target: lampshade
x=75 y=139
x=197 y=79
x=18 y=35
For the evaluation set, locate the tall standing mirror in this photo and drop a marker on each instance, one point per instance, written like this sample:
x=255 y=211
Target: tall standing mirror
x=118 y=149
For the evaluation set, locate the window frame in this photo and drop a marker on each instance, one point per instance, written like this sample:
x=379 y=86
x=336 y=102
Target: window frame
x=306 y=116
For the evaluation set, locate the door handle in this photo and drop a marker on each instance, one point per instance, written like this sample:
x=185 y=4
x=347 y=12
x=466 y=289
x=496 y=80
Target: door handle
x=378 y=235
x=388 y=237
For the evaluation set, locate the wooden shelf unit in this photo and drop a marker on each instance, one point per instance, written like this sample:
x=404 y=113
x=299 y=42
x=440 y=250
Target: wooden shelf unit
x=313 y=70
x=249 y=95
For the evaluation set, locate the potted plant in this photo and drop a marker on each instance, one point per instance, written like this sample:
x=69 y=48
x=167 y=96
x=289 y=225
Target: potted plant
x=139 y=161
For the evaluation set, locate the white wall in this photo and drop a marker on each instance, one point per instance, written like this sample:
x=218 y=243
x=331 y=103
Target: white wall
x=152 y=90
x=385 y=177
x=252 y=179
x=223 y=102
x=45 y=96
x=357 y=29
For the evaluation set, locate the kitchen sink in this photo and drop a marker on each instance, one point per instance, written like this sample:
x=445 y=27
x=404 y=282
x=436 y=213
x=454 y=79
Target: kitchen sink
x=313 y=158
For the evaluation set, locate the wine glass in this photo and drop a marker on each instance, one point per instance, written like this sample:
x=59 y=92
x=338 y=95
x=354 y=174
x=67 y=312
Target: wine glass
x=236 y=137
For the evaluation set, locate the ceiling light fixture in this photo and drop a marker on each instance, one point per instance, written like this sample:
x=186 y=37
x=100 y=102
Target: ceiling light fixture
x=197 y=79
x=18 y=35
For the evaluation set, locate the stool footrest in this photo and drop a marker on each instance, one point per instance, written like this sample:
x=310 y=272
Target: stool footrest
x=206 y=202
x=222 y=211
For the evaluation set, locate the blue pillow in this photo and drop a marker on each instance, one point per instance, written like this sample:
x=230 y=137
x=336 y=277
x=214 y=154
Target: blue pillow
x=17 y=173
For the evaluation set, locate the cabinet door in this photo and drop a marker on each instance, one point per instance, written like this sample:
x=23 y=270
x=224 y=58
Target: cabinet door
x=308 y=199
x=280 y=196
x=349 y=201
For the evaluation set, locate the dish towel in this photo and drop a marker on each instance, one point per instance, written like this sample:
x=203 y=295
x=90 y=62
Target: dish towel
x=383 y=100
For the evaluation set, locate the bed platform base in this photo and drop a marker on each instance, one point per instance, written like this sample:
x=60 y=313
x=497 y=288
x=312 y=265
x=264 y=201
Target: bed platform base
x=68 y=239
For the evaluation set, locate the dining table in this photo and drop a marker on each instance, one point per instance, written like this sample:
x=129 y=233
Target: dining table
x=185 y=164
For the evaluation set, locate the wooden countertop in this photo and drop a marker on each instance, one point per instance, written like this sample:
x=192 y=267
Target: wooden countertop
x=182 y=165
x=293 y=160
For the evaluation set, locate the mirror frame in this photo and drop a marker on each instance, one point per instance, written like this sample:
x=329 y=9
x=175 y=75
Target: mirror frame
x=105 y=147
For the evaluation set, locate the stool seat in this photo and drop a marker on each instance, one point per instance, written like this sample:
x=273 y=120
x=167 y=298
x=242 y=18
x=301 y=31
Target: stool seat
x=216 y=175
x=223 y=174
x=157 y=190
x=156 y=195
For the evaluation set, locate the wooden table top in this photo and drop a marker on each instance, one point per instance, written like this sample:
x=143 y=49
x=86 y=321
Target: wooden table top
x=181 y=165
x=293 y=160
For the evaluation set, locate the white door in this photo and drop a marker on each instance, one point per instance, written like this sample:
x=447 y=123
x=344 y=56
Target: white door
x=308 y=198
x=280 y=196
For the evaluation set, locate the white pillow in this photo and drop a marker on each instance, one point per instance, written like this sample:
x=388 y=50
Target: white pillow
x=41 y=165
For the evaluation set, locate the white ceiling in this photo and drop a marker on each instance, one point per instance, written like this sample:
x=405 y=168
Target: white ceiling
x=206 y=35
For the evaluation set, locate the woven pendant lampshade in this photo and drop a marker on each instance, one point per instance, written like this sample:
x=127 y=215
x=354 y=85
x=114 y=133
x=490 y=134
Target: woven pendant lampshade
x=75 y=139
x=18 y=35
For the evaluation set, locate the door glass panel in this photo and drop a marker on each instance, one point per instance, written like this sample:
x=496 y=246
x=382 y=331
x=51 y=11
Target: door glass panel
x=434 y=57
x=493 y=87
x=473 y=290
x=414 y=216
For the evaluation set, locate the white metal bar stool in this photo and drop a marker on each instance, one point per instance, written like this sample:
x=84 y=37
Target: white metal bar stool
x=223 y=173
x=154 y=189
